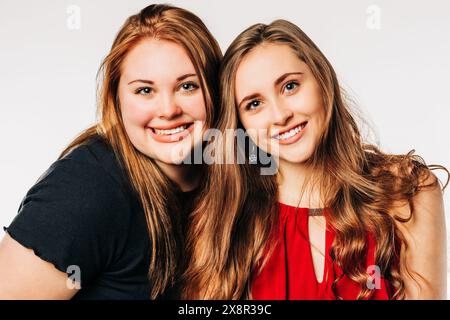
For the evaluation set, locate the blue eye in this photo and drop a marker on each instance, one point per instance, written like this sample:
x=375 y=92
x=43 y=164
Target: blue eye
x=291 y=86
x=252 y=105
x=189 y=86
x=144 y=91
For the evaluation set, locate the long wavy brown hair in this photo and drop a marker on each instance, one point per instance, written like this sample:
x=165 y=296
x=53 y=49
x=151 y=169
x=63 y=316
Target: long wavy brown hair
x=153 y=188
x=359 y=183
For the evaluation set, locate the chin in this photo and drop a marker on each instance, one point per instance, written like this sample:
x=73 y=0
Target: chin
x=173 y=155
x=295 y=157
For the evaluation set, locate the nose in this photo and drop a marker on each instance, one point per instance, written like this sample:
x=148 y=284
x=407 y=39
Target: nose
x=168 y=107
x=281 y=114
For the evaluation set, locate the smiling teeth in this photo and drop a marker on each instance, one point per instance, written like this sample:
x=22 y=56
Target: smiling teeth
x=290 y=133
x=171 y=131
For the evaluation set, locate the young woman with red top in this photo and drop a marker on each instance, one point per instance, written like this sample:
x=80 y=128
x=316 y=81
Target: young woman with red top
x=340 y=219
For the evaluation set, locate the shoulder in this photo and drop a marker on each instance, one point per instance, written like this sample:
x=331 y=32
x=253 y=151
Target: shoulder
x=92 y=163
x=422 y=225
x=86 y=185
x=426 y=204
x=96 y=153
x=78 y=212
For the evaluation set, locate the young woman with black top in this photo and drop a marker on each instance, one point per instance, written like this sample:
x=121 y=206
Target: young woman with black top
x=106 y=220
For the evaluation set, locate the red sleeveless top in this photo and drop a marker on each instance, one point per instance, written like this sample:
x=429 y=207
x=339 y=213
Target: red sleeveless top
x=289 y=272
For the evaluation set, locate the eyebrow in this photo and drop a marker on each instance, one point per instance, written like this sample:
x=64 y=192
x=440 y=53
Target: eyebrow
x=284 y=76
x=277 y=82
x=180 y=78
x=249 y=97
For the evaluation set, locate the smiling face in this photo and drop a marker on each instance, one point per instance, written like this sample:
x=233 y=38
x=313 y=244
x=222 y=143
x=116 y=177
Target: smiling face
x=278 y=96
x=161 y=101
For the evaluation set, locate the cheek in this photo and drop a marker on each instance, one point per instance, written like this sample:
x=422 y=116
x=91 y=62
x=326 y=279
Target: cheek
x=256 y=126
x=194 y=106
x=243 y=119
x=314 y=100
x=317 y=112
x=136 y=112
x=310 y=103
x=254 y=121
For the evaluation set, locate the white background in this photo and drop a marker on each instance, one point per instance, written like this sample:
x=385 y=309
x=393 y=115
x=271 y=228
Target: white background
x=398 y=74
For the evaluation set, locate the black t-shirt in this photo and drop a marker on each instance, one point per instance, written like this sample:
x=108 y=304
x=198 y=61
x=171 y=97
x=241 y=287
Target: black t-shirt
x=82 y=212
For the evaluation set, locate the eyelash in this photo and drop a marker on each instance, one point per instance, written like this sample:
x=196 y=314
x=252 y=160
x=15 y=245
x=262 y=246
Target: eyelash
x=193 y=86
x=248 y=106
x=139 y=91
x=291 y=82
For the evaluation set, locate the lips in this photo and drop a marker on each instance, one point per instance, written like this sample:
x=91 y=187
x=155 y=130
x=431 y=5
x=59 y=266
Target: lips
x=171 y=133
x=290 y=130
x=290 y=135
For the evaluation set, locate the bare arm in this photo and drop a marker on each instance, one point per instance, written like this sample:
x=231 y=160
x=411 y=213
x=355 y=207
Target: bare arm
x=426 y=255
x=23 y=275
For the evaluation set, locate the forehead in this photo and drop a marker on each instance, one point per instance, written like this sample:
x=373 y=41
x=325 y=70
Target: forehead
x=152 y=58
x=263 y=65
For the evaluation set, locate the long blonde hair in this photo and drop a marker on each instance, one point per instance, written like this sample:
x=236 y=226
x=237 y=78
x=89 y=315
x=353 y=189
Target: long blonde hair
x=154 y=190
x=361 y=185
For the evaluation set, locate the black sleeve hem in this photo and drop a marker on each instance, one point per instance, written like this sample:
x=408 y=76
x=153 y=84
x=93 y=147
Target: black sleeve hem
x=29 y=245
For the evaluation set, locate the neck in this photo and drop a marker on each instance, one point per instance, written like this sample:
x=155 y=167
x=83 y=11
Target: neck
x=185 y=176
x=293 y=189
